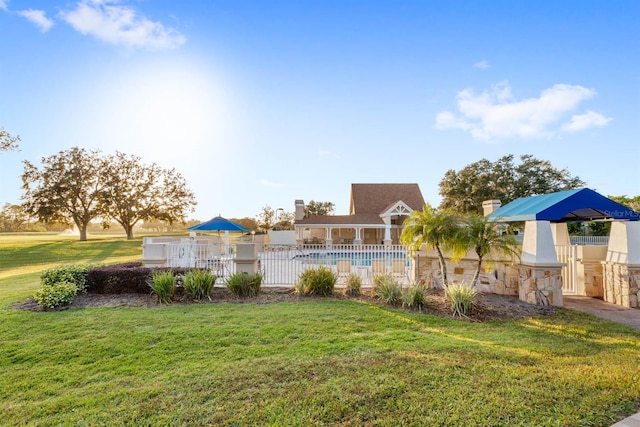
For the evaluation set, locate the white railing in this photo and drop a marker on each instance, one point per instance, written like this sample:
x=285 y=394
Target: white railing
x=589 y=240
x=282 y=265
x=188 y=254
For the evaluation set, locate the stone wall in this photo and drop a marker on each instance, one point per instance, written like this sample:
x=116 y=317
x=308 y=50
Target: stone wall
x=502 y=279
x=541 y=285
x=592 y=275
x=621 y=284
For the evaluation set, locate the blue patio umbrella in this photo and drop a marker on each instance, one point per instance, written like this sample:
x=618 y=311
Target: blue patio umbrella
x=219 y=224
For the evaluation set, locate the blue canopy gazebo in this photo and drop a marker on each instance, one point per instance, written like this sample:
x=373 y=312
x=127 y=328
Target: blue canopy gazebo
x=582 y=204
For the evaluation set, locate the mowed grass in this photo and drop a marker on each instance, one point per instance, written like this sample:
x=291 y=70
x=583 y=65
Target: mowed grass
x=314 y=362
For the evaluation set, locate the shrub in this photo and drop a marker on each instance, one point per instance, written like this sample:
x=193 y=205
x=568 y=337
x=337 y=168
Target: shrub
x=198 y=283
x=56 y=294
x=76 y=274
x=386 y=289
x=317 y=281
x=462 y=297
x=163 y=284
x=125 y=278
x=413 y=297
x=244 y=285
x=119 y=279
x=353 y=285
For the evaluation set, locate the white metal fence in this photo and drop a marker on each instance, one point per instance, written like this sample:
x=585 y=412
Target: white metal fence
x=196 y=255
x=283 y=265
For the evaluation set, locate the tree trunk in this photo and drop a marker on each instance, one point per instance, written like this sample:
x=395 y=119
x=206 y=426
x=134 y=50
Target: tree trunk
x=443 y=266
x=477 y=275
x=83 y=233
x=129 y=230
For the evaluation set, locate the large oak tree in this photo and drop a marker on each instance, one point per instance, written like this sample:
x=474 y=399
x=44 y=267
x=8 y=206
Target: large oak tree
x=464 y=191
x=67 y=189
x=136 y=192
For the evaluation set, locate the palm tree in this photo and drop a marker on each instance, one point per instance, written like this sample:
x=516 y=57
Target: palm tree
x=484 y=238
x=437 y=229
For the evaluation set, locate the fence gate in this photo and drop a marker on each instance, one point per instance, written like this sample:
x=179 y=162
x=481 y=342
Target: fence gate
x=569 y=256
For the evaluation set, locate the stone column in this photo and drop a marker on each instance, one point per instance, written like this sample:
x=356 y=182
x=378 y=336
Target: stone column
x=540 y=273
x=246 y=258
x=621 y=269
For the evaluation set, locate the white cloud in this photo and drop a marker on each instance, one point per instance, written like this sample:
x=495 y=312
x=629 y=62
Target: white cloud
x=38 y=18
x=3 y=4
x=585 y=121
x=113 y=23
x=266 y=183
x=483 y=65
x=495 y=114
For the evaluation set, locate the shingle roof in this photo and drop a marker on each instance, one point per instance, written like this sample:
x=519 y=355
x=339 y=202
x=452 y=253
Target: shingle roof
x=376 y=198
x=341 y=219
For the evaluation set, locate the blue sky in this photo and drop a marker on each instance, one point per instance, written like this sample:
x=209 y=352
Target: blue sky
x=263 y=102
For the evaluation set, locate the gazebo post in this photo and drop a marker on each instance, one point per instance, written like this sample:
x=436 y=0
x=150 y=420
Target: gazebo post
x=621 y=269
x=540 y=273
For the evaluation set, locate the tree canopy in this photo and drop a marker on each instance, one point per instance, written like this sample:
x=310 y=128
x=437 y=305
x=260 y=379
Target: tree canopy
x=67 y=189
x=78 y=186
x=486 y=240
x=435 y=228
x=266 y=218
x=631 y=202
x=318 y=208
x=464 y=191
x=136 y=192
x=8 y=142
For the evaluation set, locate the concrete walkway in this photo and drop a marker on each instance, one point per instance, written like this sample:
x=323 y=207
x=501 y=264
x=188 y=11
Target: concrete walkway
x=605 y=310
x=614 y=313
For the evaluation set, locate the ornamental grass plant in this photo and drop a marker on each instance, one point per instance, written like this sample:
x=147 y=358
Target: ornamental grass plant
x=387 y=289
x=198 y=284
x=244 y=285
x=316 y=281
x=413 y=297
x=462 y=298
x=163 y=284
x=353 y=285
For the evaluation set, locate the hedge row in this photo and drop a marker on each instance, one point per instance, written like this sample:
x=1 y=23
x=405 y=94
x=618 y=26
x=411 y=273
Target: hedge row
x=127 y=278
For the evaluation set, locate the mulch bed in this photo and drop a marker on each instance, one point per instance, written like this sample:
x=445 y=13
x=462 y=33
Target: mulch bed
x=488 y=306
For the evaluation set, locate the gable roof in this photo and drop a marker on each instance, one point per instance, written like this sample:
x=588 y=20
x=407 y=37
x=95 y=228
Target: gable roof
x=582 y=204
x=378 y=198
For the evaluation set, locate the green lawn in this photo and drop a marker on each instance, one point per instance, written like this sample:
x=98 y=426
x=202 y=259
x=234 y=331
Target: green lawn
x=325 y=362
